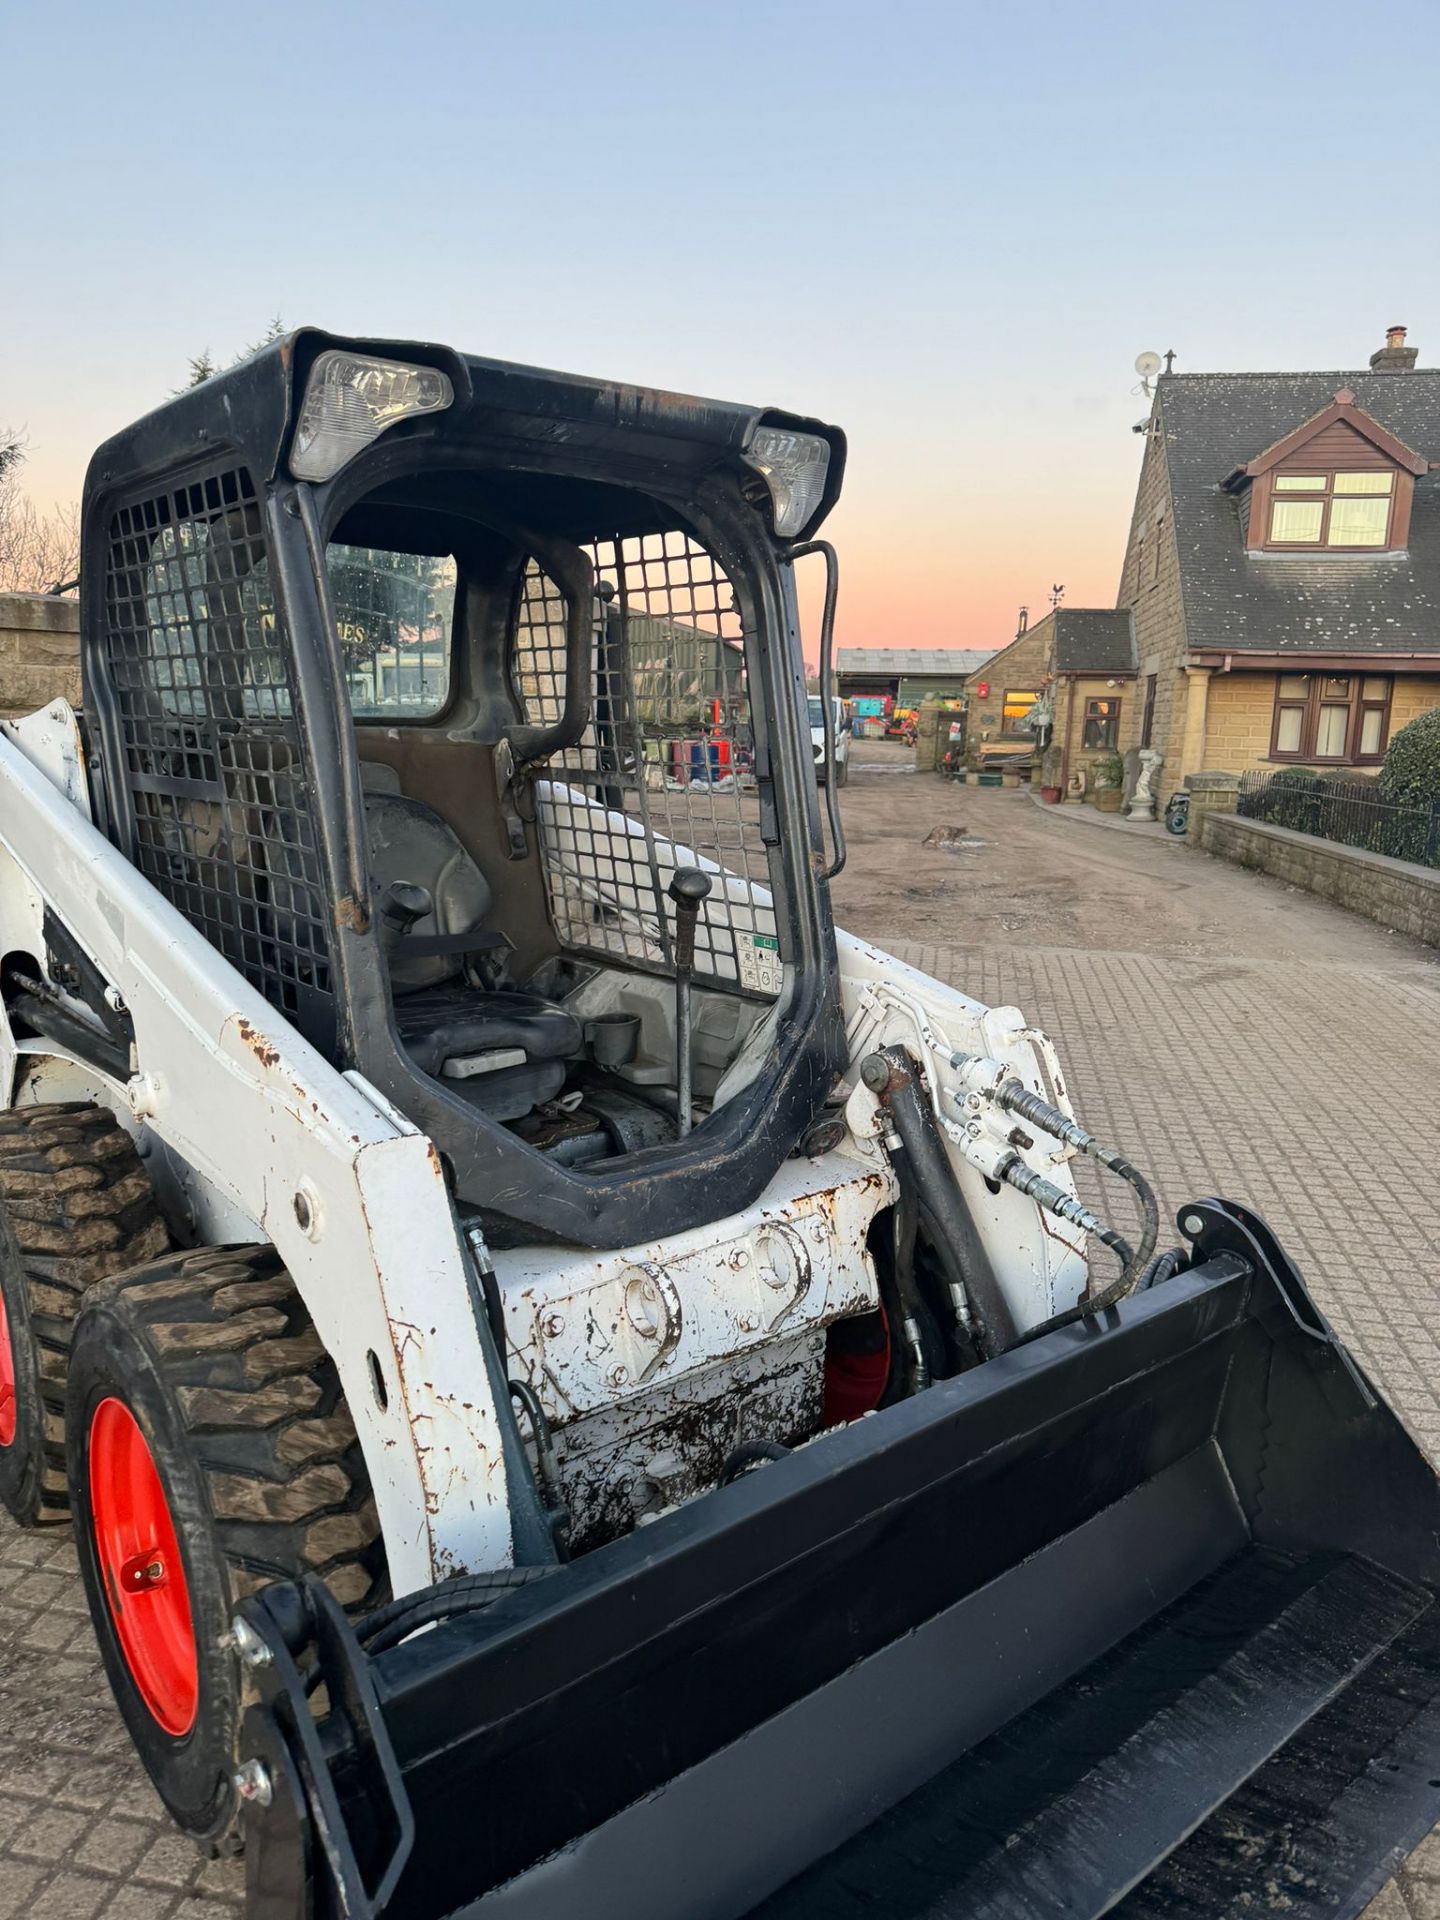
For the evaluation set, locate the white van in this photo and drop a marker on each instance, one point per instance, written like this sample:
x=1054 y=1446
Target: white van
x=842 y=739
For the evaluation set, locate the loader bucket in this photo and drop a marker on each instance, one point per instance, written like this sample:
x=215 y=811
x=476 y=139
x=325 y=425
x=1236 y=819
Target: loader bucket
x=1138 y=1618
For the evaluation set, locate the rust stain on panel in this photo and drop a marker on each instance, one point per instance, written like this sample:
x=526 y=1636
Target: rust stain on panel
x=264 y=1049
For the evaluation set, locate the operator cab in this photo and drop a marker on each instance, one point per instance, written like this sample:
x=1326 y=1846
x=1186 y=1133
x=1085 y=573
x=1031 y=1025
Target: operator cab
x=571 y=1043
x=418 y=693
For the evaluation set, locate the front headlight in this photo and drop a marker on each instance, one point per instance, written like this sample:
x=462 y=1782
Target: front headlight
x=794 y=466
x=350 y=399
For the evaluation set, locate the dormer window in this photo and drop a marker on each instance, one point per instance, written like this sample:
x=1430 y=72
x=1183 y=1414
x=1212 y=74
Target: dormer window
x=1331 y=509
x=1340 y=483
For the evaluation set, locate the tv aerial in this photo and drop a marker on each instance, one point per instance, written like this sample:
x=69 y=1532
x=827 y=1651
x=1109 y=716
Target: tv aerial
x=1147 y=365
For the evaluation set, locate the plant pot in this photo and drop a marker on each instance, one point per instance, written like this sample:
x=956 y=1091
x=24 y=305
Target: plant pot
x=1109 y=799
x=1050 y=795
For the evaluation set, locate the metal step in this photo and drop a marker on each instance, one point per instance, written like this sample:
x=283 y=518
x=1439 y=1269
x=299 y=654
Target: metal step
x=1069 y=1808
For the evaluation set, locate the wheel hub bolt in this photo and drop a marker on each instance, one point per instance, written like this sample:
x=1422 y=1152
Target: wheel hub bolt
x=243 y=1640
x=252 y=1783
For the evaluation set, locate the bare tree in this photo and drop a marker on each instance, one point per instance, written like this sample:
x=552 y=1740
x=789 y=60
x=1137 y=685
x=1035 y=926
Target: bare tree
x=39 y=552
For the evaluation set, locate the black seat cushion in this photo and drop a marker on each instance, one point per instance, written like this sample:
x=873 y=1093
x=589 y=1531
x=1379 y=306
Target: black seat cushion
x=438 y=1016
x=408 y=840
x=447 y=1023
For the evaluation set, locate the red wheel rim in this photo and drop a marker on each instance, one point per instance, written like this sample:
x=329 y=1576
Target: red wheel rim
x=140 y=1564
x=8 y=1415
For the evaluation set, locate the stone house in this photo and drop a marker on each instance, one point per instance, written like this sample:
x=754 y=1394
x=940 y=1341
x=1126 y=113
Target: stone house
x=1283 y=566
x=1074 y=673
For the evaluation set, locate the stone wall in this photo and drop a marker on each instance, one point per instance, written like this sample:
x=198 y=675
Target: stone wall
x=1239 y=720
x=1397 y=894
x=39 y=652
x=1071 y=694
x=1209 y=793
x=1241 y=712
x=1027 y=665
x=1415 y=693
x=1022 y=667
x=930 y=740
x=1150 y=587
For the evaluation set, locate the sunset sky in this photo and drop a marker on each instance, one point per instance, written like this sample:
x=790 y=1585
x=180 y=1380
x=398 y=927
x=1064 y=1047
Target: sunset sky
x=948 y=229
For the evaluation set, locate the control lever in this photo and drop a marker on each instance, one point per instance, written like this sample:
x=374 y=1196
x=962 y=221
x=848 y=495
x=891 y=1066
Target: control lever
x=689 y=890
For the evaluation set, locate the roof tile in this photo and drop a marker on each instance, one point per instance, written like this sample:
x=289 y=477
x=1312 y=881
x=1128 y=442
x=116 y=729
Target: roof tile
x=1381 y=603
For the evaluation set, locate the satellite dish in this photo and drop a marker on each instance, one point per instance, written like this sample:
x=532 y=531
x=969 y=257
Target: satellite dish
x=1147 y=365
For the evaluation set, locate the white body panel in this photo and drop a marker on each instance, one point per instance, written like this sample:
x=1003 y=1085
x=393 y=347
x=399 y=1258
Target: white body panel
x=239 y=1114
x=598 y=1333
x=238 y=1096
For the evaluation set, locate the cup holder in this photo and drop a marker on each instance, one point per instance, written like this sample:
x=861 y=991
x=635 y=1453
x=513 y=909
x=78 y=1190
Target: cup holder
x=613 y=1039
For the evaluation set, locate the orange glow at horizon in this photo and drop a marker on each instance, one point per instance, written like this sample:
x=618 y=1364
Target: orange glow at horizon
x=960 y=581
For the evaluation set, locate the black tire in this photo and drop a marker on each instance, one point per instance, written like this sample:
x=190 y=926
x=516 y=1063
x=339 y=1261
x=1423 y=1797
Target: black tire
x=214 y=1355
x=76 y=1205
x=842 y=773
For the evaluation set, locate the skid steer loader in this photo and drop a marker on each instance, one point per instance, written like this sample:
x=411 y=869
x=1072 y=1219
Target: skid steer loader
x=581 y=1390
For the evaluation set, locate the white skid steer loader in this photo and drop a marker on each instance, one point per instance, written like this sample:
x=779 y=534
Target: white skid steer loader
x=580 y=1390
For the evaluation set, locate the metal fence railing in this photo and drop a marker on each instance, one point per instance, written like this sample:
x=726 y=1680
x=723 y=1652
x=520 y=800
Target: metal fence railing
x=1352 y=813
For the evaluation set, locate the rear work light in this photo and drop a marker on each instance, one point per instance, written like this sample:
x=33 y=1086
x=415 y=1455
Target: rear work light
x=350 y=399
x=794 y=466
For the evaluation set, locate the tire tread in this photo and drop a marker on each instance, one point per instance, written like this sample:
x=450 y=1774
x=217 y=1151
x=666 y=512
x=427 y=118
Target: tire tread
x=81 y=1208
x=265 y=1417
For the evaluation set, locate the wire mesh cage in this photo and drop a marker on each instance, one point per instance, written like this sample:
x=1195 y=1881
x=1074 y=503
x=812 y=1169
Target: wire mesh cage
x=663 y=775
x=219 y=808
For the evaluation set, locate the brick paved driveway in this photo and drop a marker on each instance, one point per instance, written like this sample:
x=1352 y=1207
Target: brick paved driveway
x=1307 y=1085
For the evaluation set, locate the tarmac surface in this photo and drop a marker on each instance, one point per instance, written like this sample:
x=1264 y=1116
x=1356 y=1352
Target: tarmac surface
x=1230 y=1034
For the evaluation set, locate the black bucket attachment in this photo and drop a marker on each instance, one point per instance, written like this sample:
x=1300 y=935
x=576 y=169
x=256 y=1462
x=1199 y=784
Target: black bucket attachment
x=1137 y=1619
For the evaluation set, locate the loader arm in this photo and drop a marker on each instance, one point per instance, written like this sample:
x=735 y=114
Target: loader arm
x=250 y=1107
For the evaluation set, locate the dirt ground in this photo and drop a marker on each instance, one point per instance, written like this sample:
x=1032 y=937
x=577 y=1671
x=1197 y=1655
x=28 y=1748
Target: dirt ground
x=1057 y=877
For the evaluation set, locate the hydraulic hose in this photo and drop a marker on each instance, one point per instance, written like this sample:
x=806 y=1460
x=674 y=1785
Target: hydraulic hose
x=897 y=1304
x=466 y=1593
x=749 y=1455
x=891 y=1075
x=1065 y=1206
x=906 y=1227
x=1017 y=1098
x=546 y=1468
x=1163 y=1267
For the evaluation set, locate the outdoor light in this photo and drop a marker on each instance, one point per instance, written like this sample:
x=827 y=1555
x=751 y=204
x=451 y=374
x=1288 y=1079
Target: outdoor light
x=794 y=466
x=350 y=399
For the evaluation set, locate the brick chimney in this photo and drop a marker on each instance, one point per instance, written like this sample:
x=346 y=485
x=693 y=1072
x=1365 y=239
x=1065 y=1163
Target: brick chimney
x=1394 y=356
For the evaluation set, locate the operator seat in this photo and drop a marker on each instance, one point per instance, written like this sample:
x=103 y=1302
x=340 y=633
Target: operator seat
x=504 y=1050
